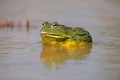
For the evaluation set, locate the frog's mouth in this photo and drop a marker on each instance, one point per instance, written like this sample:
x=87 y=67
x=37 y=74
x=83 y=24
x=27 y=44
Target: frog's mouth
x=52 y=35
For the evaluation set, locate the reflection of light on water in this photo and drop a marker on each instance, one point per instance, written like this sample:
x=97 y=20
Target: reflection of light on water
x=53 y=55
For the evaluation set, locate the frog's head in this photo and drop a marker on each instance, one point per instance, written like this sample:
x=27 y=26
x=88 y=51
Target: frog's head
x=54 y=30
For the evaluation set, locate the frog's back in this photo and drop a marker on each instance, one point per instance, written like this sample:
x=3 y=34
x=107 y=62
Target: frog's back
x=80 y=35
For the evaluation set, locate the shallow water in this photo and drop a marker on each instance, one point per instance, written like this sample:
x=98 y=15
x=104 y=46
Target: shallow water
x=22 y=54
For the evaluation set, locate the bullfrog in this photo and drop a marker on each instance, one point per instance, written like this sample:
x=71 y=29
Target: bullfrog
x=58 y=33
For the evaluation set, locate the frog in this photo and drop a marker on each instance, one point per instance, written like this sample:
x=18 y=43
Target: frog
x=59 y=33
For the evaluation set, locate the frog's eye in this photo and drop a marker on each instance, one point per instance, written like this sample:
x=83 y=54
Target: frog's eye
x=54 y=24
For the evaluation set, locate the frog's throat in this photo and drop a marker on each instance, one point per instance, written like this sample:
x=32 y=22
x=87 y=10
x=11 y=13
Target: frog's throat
x=53 y=35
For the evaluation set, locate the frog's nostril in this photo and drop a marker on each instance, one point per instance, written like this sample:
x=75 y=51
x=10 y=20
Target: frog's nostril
x=45 y=23
x=42 y=24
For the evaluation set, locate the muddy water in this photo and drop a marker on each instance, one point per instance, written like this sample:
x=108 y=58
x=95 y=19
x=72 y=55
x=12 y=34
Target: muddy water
x=23 y=57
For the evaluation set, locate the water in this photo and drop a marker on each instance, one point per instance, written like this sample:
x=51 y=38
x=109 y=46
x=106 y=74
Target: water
x=21 y=50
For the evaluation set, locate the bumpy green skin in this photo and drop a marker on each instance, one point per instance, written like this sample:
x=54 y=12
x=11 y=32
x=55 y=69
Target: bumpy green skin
x=59 y=31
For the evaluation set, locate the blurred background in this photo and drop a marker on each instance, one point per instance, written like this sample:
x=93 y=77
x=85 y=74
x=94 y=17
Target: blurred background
x=74 y=12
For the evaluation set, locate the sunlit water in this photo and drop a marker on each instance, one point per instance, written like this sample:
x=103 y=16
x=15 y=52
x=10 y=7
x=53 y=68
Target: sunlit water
x=22 y=54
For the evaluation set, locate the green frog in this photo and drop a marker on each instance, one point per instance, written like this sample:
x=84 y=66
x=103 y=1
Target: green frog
x=58 y=33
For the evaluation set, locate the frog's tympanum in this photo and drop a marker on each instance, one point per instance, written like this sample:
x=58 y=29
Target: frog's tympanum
x=55 y=33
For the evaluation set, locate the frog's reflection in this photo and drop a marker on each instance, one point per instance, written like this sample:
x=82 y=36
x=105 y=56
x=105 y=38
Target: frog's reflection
x=53 y=55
